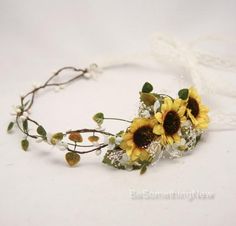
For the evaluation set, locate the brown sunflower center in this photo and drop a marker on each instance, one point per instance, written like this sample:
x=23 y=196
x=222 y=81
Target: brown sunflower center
x=171 y=123
x=143 y=136
x=193 y=106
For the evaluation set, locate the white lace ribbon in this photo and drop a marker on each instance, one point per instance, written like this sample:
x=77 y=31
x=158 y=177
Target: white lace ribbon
x=168 y=50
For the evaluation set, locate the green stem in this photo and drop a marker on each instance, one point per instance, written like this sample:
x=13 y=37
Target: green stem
x=118 y=119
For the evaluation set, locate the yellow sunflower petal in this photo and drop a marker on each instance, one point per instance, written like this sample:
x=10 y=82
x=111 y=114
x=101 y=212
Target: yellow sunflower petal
x=194 y=121
x=183 y=119
x=159 y=117
x=124 y=146
x=204 y=109
x=168 y=103
x=176 y=105
x=194 y=94
x=135 y=154
x=158 y=130
x=144 y=155
x=181 y=111
x=176 y=138
x=163 y=139
x=130 y=143
x=129 y=152
x=164 y=108
x=170 y=140
x=128 y=136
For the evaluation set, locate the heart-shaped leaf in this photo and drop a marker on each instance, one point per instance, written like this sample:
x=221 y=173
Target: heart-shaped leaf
x=147 y=87
x=72 y=158
x=41 y=131
x=76 y=137
x=99 y=118
x=183 y=94
x=25 y=144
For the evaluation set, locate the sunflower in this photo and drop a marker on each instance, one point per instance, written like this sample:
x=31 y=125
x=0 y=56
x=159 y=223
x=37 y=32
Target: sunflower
x=138 y=137
x=196 y=111
x=169 y=120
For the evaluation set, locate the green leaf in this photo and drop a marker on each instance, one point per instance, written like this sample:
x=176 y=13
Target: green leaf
x=143 y=169
x=147 y=87
x=183 y=94
x=25 y=125
x=10 y=126
x=25 y=144
x=41 y=131
x=58 y=136
x=120 y=134
x=99 y=118
x=147 y=98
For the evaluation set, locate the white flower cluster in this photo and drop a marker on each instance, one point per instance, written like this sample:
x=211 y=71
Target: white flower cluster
x=61 y=145
x=112 y=141
x=18 y=111
x=92 y=71
x=148 y=111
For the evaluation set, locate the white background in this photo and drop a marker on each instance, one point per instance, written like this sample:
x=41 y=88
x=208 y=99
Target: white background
x=37 y=187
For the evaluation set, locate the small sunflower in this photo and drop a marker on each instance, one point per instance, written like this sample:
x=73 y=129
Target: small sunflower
x=169 y=120
x=196 y=111
x=138 y=137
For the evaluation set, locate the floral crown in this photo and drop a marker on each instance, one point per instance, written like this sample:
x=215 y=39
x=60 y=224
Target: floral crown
x=164 y=127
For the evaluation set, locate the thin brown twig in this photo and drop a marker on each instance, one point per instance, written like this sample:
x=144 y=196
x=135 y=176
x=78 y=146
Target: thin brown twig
x=89 y=151
x=90 y=131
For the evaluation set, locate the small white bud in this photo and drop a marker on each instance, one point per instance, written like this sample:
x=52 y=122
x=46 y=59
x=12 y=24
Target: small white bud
x=54 y=72
x=57 y=89
x=22 y=95
x=111 y=146
x=93 y=67
x=96 y=144
x=182 y=141
x=62 y=146
x=18 y=110
x=99 y=128
x=106 y=139
x=23 y=118
x=25 y=114
x=35 y=86
x=98 y=152
x=118 y=140
x=87 y=75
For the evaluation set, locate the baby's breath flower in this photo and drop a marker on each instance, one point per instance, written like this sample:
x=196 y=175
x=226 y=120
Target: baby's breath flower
x=145 y=114
x=118 y=140
x=156 y=106
x=98 y=152
x=62 y=146
x=92 y=71
x=96 y=144
x=24 y=116
x=35 y=85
